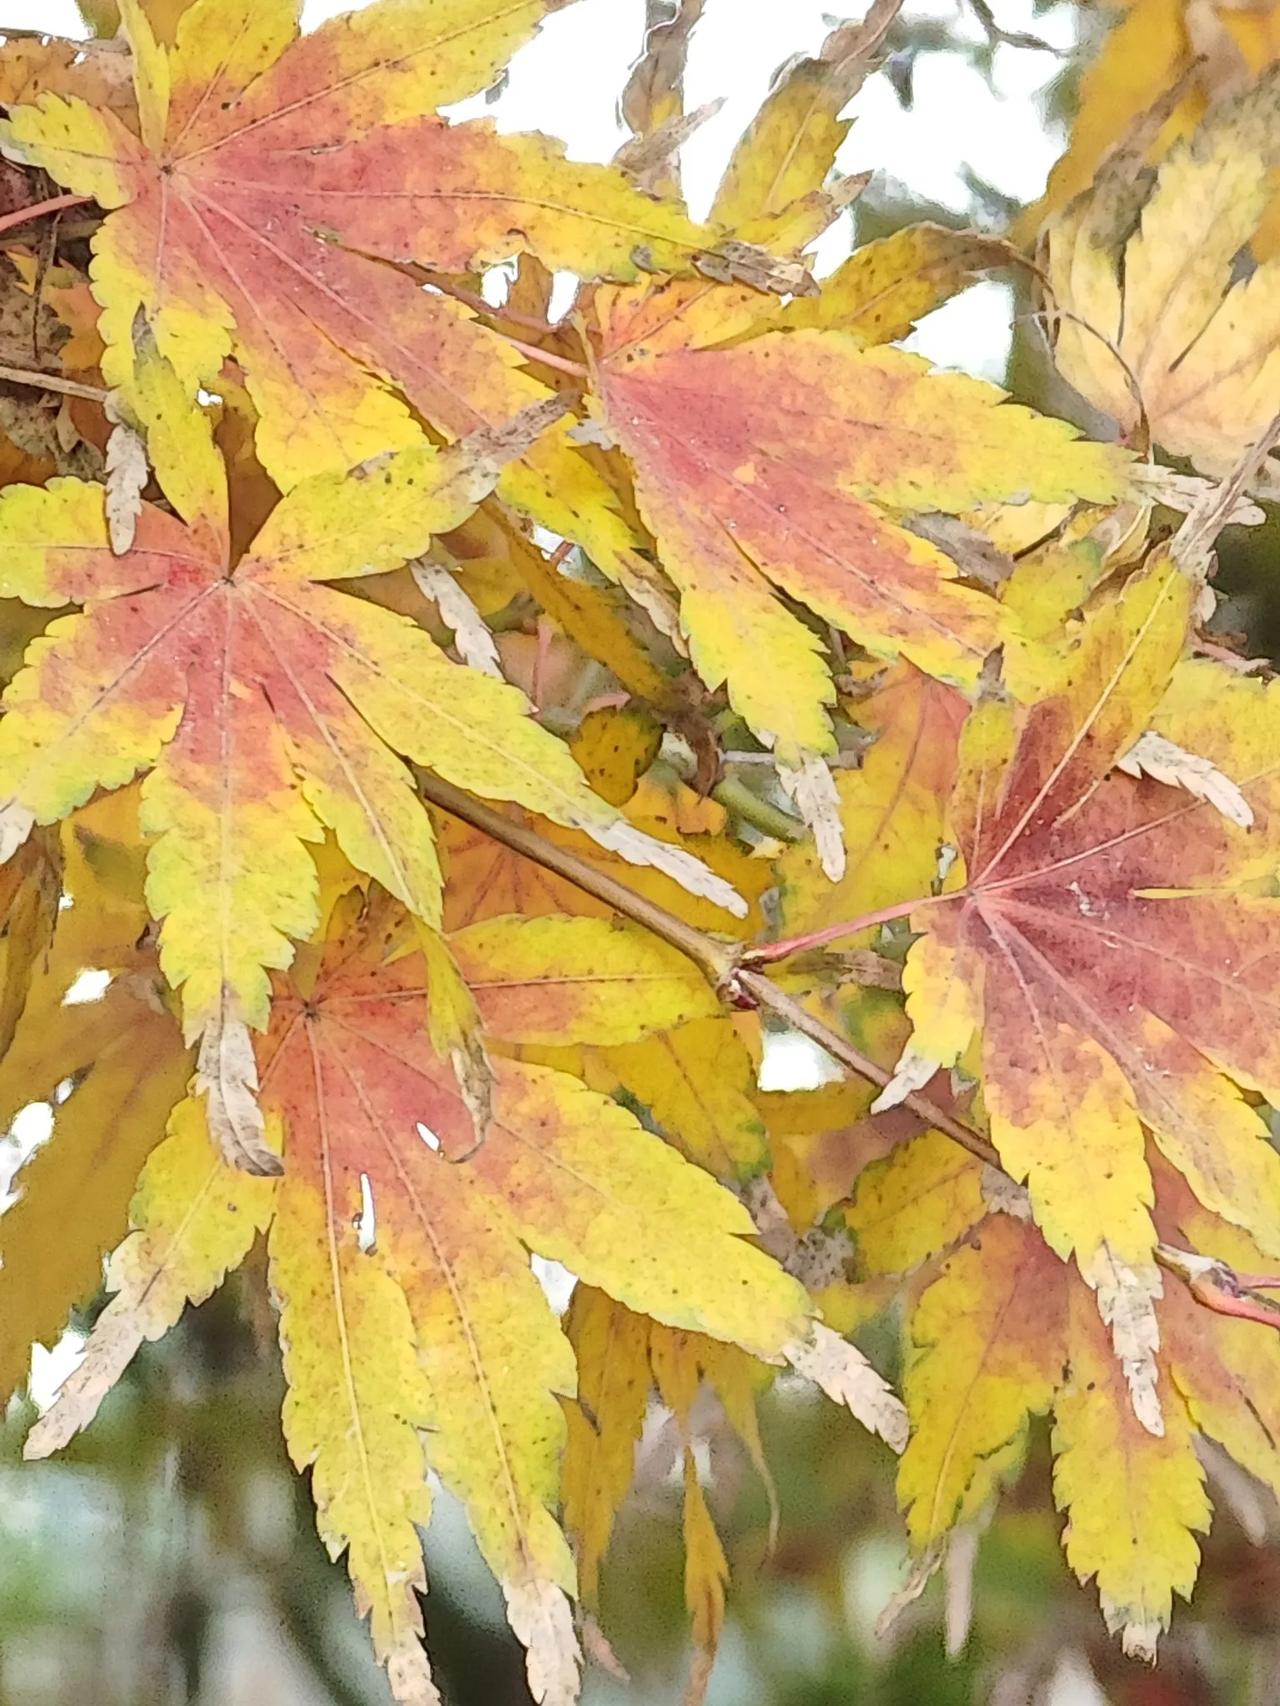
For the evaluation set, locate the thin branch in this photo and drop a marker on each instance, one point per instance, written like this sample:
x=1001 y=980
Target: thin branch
x=720 y=962
x=716 y=960
x=52 y=382
x=37 y=209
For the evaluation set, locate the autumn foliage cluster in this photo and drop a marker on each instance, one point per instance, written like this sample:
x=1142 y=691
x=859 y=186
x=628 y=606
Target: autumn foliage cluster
x=461 y=735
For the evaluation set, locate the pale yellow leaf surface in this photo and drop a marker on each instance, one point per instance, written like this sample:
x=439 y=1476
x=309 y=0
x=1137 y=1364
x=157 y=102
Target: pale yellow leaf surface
x=987 y=1340
x=578 y=980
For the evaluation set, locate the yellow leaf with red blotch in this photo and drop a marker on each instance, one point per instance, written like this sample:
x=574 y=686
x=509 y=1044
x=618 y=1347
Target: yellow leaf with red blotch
x=1105 y=935
x=1133 y=1502
x=578 y=980
x=403 y=1278
x=1161 y=327
x=267 y=707
x=726 y=444
x=279 y=181
x=987 y=1344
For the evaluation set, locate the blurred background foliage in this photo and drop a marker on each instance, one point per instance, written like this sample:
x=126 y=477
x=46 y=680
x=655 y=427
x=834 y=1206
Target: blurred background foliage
x=170 y=1557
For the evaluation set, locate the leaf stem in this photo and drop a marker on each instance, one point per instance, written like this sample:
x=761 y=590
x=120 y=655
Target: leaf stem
x=38 y=209
x=785 y=946
x=547 y=357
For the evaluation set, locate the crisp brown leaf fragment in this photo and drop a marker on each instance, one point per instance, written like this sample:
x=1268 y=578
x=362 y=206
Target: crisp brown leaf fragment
x=126 y=470
x=1165 y=761
x=846 y=1377
x=227 y=1075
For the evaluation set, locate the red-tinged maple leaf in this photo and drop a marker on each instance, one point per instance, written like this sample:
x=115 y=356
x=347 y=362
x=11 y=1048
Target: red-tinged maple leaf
x=1113 y=939
x=266 y=706
x=272 y=181
x=415 y=1334
x=767 y=465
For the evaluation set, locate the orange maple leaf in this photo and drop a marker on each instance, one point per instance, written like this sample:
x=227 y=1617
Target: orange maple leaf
x=275 y=179
x=765 y=462
x=1107 y=934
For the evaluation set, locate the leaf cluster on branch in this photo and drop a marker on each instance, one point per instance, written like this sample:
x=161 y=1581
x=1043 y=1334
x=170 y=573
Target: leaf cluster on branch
x=461 y=736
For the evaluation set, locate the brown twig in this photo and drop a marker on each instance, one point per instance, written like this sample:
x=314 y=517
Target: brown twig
x=720 y=962
x=52 y=382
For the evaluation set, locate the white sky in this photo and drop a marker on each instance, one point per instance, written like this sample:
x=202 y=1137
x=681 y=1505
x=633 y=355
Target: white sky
x=568 y=80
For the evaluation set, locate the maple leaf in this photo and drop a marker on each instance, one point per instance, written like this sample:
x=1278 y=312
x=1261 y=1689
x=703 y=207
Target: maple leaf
x=885 y=286
x=1005 y=1333
x=273 y=181
x=1106 y=936
x=1160 y=328
x=767 y=465
x=426 y=1316
x=266 y=707
x=792 y=142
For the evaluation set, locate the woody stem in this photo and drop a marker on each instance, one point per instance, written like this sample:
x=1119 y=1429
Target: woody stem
x=52 y=382
x=720 y=963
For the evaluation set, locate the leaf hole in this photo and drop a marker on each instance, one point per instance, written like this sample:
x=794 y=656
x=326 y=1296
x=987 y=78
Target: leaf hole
x=366 y=1221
